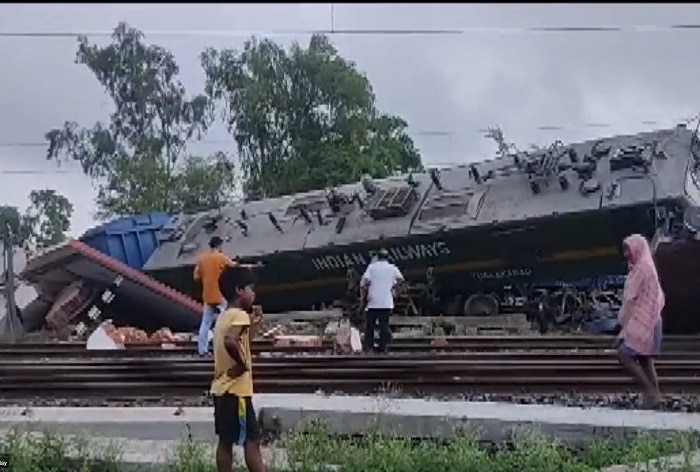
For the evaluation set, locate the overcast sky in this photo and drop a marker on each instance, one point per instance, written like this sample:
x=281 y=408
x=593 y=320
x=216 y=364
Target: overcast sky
x=453 y=84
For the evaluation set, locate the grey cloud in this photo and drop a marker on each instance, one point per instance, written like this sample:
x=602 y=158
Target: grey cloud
x=457 y=84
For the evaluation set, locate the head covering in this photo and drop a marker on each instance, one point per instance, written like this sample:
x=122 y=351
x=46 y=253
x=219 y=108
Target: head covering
x=643 y=298
x=640 y=257
x=639 y=249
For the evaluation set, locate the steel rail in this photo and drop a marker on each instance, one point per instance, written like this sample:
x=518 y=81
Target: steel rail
x=675 y=344
x=569 y=372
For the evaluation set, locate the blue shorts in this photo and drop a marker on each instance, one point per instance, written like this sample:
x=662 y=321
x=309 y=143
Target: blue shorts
x=624 y=350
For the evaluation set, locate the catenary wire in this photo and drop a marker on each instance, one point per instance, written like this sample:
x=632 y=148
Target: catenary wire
x=423 y=133
x=333 y=31
x=223 y=141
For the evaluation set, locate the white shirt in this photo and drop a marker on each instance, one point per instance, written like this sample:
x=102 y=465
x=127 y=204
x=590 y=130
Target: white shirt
x=381 y=275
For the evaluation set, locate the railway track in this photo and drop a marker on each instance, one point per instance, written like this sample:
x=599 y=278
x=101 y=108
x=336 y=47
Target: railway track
x=426 y=374
x=672 y=344
x=417 y=366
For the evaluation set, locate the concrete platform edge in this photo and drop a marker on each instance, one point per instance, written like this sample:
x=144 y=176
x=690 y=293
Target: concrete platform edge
x=352 y=415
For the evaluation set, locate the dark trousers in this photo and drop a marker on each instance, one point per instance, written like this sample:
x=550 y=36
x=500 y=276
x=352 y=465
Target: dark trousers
x=375 y=315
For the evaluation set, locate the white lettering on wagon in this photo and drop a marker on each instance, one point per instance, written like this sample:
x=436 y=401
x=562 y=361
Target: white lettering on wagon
x=409 y=252
x=501 y=274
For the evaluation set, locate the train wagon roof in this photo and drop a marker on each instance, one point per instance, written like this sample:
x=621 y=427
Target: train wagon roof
x=455 y=199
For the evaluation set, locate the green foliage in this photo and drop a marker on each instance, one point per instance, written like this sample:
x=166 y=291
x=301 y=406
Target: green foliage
x=314 y=450
x=137 y=157
x=54 y=453
x=48 y=216
x=204 y=183
x=11 y=219
x=303 y=118
x=44 y=223
x=312 y=447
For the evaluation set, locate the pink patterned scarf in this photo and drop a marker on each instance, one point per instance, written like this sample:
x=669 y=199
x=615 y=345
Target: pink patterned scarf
x=643 y=298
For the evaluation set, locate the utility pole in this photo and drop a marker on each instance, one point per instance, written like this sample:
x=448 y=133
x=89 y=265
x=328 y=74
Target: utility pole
x=11 y=328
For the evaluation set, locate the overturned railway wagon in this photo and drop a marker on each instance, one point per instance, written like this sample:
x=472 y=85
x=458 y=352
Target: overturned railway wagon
x=524 y=220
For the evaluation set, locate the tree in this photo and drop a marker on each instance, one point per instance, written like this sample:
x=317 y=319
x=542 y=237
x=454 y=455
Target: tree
x=44 y=223
x=505 y=148
x=204 y=183
x=48 y=217
x=138 y=159
x=11 y=220
x=302 y=118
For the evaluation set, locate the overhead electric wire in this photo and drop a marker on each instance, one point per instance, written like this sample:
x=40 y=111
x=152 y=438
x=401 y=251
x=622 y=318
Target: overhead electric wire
x=37 y=171
x=334 y=31
x=223 y=141
x=423 y=133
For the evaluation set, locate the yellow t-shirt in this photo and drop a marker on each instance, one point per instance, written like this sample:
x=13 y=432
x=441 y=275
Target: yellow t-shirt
x=241 y=386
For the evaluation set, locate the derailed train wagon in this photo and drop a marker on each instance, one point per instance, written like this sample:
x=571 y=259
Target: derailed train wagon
x=477 y=238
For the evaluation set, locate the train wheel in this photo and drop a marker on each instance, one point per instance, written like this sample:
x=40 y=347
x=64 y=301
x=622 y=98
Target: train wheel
x=481 y=304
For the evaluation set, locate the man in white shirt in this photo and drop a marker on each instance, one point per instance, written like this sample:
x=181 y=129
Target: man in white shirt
x=377 y=290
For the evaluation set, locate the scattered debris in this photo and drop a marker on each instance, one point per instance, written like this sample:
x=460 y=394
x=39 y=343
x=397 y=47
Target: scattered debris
x=107 y=336
x=347 y=338
x=298 y=340
x=277 y=330
x=163 y=336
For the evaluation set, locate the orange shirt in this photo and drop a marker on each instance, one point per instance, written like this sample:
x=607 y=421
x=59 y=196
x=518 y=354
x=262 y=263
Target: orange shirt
x=209 y=269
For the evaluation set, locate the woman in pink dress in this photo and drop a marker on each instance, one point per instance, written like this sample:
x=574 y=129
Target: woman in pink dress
x=639 y=340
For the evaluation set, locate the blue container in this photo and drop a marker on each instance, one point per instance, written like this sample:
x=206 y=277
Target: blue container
x=131 y=240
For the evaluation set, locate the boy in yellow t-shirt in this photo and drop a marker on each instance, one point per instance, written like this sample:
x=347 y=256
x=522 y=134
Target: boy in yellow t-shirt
x=235 y=421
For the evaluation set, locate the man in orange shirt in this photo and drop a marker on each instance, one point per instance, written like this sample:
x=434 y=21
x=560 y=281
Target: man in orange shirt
x=208 y=270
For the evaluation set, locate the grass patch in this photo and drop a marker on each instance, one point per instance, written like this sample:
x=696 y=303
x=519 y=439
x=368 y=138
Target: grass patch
x=49 y=452
x=314 y=450
x=465 y=453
